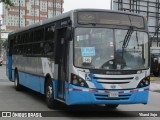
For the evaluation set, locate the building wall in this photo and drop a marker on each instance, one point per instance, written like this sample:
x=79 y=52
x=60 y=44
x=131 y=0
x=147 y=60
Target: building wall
x=26 y=12
x=148 y=8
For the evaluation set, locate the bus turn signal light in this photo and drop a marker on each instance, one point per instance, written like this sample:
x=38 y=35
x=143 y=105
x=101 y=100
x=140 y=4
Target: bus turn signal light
x=78 y=81
x=143 y=83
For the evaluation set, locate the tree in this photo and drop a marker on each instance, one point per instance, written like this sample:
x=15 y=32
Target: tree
x=7 y=2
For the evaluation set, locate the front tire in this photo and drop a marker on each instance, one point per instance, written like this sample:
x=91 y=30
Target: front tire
x=18 y=87
x=50 y=101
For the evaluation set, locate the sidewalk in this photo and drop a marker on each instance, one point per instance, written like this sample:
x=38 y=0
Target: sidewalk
x=3 y=72
x=155 y=84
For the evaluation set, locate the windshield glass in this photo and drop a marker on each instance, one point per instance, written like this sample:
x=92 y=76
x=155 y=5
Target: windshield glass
x=110 y=49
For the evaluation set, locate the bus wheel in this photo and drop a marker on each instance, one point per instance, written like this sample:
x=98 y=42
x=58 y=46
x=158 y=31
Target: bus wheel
x=111 y=106
x=51 y=102
x=18 y=87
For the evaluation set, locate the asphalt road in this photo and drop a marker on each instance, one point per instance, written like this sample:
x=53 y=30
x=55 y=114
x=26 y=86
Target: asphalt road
x=27 y=100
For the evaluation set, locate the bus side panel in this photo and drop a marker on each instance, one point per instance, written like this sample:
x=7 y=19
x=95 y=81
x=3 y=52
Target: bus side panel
x=35 y=83
x=9 y=68
x=32 y=82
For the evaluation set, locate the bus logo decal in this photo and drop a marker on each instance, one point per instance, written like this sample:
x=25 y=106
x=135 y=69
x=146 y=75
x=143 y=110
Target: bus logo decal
x=88 y=77
x=113 y=86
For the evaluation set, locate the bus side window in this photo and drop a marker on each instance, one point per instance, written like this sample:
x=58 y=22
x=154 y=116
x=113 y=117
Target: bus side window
x=15 y=44
x=49 y=40
x=48 y=48
x=38 y=42
x=20 y=49
x=49 y=33
x=10 y=46
x=39 y=35
x=38 y=49
x=29 y=49
x=29 y=37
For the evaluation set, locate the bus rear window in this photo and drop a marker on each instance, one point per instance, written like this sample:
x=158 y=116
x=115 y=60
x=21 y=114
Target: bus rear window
x=110 y=19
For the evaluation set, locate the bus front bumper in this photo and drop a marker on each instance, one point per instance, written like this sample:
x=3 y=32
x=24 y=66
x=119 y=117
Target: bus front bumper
x=78 y=95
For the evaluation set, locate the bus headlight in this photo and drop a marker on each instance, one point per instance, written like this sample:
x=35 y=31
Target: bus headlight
x=143 y=83
x=78 y=81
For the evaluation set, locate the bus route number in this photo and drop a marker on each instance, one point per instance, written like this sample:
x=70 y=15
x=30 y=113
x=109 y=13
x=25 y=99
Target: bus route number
x=87 y=59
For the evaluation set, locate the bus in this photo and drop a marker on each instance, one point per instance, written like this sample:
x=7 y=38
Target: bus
x=84 y=56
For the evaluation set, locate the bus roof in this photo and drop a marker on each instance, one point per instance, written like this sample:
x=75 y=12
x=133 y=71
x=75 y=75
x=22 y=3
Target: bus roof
x=65 y=15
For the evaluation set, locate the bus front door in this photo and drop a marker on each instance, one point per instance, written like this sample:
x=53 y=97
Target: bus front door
x=62 y=63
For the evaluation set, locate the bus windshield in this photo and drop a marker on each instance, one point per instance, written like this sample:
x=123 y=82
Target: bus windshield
x=110 y=49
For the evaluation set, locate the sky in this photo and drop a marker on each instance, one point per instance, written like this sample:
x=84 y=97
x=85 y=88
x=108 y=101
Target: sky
x=73 y=4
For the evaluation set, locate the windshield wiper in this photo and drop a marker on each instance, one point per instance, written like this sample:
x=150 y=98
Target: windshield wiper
x=127 y=37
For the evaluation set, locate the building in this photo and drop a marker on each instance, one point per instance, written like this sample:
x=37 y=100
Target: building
x=26 y=12
x=148 y=8
x=3 y=38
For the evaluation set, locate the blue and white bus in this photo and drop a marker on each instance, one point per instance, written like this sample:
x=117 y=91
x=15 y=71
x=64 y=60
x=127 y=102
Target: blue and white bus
x=84 y=56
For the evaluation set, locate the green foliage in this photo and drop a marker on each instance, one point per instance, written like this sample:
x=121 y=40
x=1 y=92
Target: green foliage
x=7 y=2
x=4 y=44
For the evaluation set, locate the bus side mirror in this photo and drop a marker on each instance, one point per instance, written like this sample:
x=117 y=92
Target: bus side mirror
x=69 y=34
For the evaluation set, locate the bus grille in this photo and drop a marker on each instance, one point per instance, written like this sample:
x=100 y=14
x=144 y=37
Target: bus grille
x=113 y=80
x=105 y=97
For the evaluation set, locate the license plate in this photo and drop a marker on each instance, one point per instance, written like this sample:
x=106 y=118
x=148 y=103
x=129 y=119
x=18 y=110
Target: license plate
x=113 y=94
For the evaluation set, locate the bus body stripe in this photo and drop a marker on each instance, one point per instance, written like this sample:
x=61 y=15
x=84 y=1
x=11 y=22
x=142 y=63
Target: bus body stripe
x=106 y=91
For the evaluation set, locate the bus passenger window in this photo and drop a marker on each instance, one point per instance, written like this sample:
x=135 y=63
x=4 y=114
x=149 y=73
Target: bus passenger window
x=29 y=49
x=29 y=37
x=15 y=50
x=48 y=48
x=49 y=33
x=38 y=48
x=39 y=34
